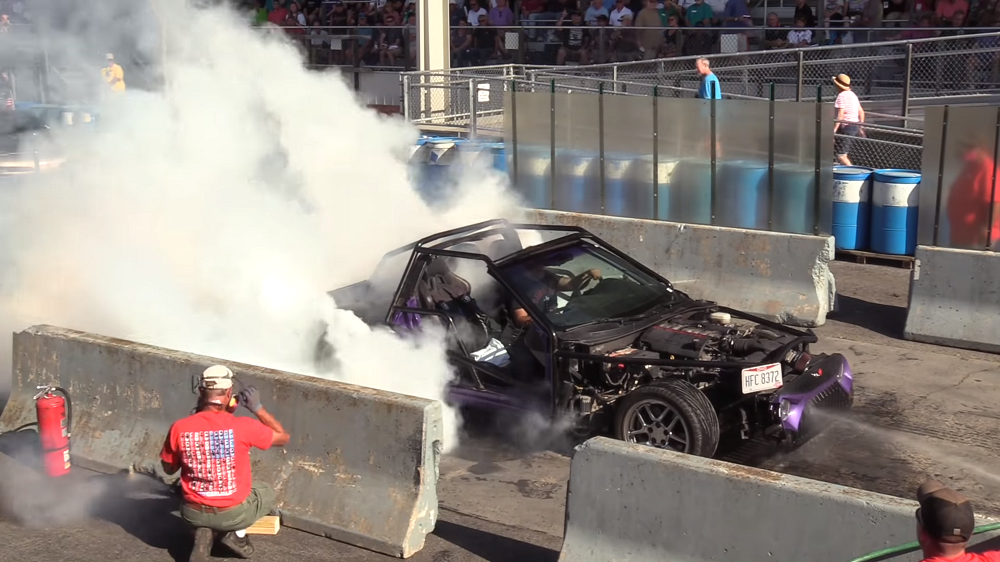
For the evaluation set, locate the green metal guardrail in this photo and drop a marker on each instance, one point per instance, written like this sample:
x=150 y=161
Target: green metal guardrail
x=913 y=546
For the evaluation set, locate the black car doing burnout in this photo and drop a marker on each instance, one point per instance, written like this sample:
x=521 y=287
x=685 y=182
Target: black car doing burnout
x=610 y=346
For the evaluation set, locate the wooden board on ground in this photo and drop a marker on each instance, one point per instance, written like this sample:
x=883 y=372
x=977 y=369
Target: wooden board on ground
x=859 y=256
x=267 y=525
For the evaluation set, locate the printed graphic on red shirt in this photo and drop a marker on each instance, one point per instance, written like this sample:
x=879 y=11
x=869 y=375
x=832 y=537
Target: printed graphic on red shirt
x=212 y=449
x=211 y=456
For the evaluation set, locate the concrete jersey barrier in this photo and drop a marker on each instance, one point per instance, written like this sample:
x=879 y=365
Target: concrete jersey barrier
x=629 y=502
x=781 y=277
x=361 y=468
x=955 y=299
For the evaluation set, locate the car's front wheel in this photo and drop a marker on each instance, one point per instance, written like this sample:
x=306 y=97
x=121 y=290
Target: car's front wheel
x=669 y=414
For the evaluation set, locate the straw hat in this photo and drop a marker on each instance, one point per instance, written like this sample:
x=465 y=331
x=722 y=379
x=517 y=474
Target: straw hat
x=842 y=81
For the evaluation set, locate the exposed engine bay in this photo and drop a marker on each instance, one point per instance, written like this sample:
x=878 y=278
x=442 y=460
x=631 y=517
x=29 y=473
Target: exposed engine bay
x=706 y=348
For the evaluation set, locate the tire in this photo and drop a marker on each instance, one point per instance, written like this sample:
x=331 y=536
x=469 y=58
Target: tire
x=692 y=413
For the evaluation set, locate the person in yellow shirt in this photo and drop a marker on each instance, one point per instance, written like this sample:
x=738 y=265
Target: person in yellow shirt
x=113 y=75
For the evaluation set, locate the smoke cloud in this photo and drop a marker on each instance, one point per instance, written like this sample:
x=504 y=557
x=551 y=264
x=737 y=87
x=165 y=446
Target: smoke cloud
x=213 y=215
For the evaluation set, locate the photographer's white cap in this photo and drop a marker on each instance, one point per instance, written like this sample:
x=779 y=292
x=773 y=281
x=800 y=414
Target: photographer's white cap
x=217 y=377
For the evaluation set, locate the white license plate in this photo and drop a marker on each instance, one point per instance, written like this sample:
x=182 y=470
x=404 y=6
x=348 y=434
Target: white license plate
x=765 y=377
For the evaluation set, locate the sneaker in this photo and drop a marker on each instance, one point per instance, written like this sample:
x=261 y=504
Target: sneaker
x=202 y=549
x=240 y=546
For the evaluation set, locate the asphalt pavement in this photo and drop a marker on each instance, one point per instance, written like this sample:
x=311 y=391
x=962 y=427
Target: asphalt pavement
x=920 y=410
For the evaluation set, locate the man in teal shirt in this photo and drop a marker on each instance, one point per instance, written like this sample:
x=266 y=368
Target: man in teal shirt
x=710 y=86
x=699 y=12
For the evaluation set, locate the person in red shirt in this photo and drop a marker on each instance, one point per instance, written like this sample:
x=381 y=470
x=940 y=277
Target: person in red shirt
x=211 y=449
x=970 y=198
x=945 y=521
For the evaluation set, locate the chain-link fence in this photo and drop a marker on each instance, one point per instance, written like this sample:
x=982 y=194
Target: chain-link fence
x=890 y=76
x=886 y=147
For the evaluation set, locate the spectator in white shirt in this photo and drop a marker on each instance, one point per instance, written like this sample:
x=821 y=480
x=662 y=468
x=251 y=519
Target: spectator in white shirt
x=473 y=12
x=620 y=10
x=800 y=37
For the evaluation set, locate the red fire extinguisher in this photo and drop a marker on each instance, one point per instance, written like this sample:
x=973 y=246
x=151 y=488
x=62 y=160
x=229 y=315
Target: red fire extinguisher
x=54 y=426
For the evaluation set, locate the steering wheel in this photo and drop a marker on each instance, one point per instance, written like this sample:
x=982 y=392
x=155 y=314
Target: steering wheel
x=586 y=277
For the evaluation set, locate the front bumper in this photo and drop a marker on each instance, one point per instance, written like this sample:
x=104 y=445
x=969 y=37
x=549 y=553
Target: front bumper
x=809 y=403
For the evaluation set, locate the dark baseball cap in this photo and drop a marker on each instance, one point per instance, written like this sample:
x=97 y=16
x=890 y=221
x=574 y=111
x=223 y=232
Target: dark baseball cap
x=945 y=514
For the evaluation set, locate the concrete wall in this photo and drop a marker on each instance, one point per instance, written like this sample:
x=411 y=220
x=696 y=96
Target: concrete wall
x=784 y=277
x=631 y=502
x=955 y=299
x=362 y=465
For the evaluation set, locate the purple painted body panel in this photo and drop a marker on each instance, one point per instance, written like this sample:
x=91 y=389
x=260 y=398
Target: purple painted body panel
x=799 y=401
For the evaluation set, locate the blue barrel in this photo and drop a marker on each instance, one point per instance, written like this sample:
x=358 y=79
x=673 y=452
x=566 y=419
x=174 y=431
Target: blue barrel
x=442 y=154
x=534 y=171
x=742 y=196
x=895 y=206
x=691 y=192
x=641 y=183
x=578 y=182
x=851 y=207
x=794 y=204
x=620 y=200
x=499 y=159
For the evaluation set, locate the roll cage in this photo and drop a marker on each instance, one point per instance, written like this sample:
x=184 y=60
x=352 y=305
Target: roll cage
x=436 y=245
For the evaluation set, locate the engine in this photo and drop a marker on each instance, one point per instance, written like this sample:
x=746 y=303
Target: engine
x=689 y=340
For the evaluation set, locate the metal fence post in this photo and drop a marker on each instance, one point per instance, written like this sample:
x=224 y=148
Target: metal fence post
x=993 y=185
x=770 y=161
x=712 y=149
x=552 y=140
x=819 y=157
x=513 y=128
x=907 y=77
x=656 y=155
x=406 y=96
x=801 y=78
x=614 y=76
x=600 y=134
x=940 y=176
x=472 y=108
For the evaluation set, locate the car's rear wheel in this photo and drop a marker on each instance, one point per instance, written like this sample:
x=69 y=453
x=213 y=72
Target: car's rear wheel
x=669 y=414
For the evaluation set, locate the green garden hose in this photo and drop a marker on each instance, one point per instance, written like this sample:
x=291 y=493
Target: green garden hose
x=913 y=546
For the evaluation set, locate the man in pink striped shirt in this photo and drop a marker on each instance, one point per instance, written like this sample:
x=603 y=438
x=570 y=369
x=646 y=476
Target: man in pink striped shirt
x=850 y=115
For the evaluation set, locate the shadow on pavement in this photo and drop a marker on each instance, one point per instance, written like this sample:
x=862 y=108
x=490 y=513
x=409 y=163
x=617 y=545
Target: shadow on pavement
x=489 y=546
x=883 y=319
x=141 y=506
x=145 y=509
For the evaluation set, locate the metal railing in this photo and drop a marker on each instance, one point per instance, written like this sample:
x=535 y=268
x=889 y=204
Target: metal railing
x=895 y=79
x=675 y=159
x=893 y=76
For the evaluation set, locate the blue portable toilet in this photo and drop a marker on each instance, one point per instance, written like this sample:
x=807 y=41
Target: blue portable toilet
x=578 y=187
x=895 y=207
x=742 y=197
x=794 y=204
x=851 y=207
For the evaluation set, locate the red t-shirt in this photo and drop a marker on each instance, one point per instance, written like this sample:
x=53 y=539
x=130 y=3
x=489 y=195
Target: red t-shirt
x=991 y=556
x=213 y=451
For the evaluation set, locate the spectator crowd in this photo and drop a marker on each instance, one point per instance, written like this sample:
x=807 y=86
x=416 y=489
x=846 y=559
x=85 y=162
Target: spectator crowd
x=383 y=32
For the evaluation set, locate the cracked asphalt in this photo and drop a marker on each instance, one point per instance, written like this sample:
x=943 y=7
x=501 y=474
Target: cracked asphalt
x=920 y=410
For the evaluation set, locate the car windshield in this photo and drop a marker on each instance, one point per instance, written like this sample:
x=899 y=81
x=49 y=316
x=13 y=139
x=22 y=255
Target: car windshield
x=551 y=281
